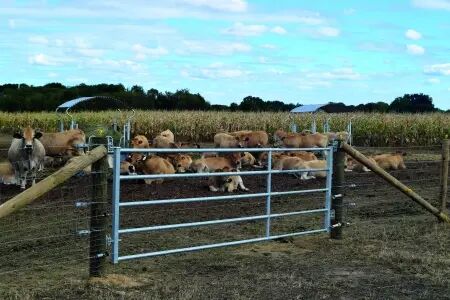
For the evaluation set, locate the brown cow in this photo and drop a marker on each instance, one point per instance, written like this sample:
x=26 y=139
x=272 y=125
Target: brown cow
x=182 y=162
x=207 y=164
x=306 y=156
x=168 y=135
x=390 y=161
x=140 y=141
x=63 y=143
x=252 y=139
x=303 y=140
x=224 y=140
x=155 y=165
x=7 y=175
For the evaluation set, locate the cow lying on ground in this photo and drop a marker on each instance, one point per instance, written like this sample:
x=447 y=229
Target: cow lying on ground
x=154 y=165
x=182 y=163
x=140 y=141
x=390 y=161
x=292 y=163
x=26 y=155
x=226 y=183
x=63 y=143
x=7 y=175
x=247 y=159
x=210 y=164
x=354 y=165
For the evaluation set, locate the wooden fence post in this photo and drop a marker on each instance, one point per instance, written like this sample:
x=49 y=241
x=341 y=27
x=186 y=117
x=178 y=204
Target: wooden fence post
x=337 y=196
x=444 y=175
x=98 y=226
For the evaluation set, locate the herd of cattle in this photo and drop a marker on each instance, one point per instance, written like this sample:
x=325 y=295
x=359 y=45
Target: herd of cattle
x=31 y=151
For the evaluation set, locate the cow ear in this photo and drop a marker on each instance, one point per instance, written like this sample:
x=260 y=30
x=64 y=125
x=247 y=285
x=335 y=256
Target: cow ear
x=247 y=139
x=17 y=135
x=38 y=135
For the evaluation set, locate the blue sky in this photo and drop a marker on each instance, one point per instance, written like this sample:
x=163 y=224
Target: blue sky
x=295 y=51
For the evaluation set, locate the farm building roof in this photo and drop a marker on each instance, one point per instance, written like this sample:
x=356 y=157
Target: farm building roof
x=309 y=108
x=71 y=103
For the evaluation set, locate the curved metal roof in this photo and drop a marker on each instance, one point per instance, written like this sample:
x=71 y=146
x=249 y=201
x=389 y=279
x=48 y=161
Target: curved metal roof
x=309 y=108
x=71 y=103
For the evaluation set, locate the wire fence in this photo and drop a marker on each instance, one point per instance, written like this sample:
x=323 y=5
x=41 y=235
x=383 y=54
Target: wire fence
x=48 y=238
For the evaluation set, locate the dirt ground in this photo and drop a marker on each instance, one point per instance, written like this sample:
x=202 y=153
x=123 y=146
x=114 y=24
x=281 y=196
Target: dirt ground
x=391 y=249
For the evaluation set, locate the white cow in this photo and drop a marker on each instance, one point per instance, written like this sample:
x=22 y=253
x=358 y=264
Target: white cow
x=26 y=155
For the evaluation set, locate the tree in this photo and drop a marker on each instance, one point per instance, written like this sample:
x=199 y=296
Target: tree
x=414 y=103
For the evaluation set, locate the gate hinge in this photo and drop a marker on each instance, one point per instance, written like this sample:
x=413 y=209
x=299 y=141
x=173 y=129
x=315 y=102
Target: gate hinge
x=332 y=214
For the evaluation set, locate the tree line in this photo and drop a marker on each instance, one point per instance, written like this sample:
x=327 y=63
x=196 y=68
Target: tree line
x=23 y=97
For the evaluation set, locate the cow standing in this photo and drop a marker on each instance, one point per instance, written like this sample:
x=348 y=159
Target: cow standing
x=26 y=155
x=63 y=143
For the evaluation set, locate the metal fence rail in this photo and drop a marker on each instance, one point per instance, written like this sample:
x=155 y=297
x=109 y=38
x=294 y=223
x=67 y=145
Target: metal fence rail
x=120 y=204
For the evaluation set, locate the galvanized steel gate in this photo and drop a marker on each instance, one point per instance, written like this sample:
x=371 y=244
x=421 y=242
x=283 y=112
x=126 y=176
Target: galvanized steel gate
x=119 y=206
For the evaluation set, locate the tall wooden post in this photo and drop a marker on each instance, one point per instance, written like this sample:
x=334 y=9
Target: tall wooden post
x=98 y=226
x=444 y=175
x=337 y=190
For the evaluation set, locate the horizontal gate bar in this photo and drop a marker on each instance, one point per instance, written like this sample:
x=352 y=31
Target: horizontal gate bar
x=217 y=245
x=199 y=150
x=216 y=198
x=192 y=175
x=213 y=222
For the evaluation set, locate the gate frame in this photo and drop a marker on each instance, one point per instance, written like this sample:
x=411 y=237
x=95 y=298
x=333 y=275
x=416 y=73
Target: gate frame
x=117 y=178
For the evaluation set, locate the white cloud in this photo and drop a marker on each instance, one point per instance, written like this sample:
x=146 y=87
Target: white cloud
x=142 y=52
x=269 y=46
x=214 y=71
x=278 y=30
x=438 y=69
x=38 y=39
x=415 y=49
x=328 y=31
x=349 y=11
x=89 y=52
x=41 y=59
x=413 y=35
x=432 y=4
x=12 y=23
x=120 y=64
x=434 y=80
x=240 y=29
x=337 y=74
x=314 y=83
x=262 y=59
x=215 y=48
x=52 y=74
x=221 y=5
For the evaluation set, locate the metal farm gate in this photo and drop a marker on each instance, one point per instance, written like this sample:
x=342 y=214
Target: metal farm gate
x=120 y=205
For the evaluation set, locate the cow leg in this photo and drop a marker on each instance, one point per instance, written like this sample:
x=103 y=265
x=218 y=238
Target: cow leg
x=242 y=186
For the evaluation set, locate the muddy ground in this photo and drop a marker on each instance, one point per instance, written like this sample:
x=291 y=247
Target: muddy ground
x=391 y=249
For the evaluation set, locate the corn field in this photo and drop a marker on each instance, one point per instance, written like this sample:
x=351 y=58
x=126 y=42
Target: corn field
x=369 y=129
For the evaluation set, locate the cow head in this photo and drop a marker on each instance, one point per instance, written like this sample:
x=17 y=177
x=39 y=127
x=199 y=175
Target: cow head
x=27 y=136
x=182 y=163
